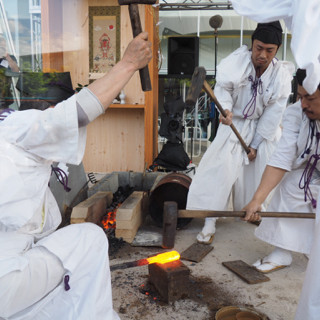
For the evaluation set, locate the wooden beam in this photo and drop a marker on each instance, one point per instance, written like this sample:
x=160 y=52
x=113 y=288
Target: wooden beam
x=151 y=97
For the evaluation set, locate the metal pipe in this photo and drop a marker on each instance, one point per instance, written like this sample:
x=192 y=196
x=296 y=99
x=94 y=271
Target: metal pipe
x=226 y=5
x=241 y=32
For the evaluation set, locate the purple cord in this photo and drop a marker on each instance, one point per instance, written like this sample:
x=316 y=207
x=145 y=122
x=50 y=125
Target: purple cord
x=311 y=164
x=62 y=177
x=256 y=87
x=66 y=283
x=5 y=112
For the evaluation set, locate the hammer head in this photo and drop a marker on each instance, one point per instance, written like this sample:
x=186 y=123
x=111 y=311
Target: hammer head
x=198 y=78
x=170 y=217
x=125 y=2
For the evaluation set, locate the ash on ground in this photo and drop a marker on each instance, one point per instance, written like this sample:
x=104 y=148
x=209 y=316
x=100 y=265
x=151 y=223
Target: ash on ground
x=135 y=298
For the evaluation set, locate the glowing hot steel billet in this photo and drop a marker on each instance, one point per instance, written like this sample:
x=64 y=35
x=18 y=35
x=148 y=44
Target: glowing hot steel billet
x=159 y=258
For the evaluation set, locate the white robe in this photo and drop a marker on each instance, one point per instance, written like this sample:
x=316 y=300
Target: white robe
x=303 y=19
x=308 y=306
x=291 y=234
x=29 y=215
x=225 y=164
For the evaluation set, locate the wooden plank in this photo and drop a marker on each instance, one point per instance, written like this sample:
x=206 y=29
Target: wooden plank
x=77 y=220
x=87 y=208
x=196 y=252
x=130 y=216
x=130 y=206
x=246 y=272
x=126 y=235
x=115 y=142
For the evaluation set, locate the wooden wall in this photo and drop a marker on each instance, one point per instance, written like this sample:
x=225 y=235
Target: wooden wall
x=125 y=137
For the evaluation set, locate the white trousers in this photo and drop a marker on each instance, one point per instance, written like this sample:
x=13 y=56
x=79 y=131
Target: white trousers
x=21 y=289
x=38 y=292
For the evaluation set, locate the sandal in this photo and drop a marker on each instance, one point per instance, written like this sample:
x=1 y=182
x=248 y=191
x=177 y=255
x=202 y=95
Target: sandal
x=203 y=236
x=267 y=266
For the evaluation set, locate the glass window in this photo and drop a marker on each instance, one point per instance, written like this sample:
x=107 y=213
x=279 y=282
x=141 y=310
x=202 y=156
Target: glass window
x=201 y=121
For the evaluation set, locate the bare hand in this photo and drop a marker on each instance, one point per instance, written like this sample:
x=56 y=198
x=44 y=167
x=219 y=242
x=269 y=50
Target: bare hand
x=251 y=211
x=228 y=119
x=252 y=154
x=138 y=52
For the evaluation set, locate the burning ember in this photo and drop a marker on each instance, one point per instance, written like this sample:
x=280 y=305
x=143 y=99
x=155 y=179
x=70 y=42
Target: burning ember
x=149 y=291
x=160 y=258
x=109 y=219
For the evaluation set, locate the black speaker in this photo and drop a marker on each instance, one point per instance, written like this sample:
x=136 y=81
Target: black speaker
x=183 y=55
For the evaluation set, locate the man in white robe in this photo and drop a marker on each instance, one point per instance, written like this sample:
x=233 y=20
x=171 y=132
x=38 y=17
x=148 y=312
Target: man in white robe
x=294 y=169
x=253 y=87
x=303 y=20
x=44 y=273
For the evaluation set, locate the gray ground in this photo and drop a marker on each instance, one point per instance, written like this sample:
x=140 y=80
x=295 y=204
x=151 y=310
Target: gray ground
x=212 y=285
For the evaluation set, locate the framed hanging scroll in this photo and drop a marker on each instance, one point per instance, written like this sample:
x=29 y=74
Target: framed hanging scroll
x=104 y=39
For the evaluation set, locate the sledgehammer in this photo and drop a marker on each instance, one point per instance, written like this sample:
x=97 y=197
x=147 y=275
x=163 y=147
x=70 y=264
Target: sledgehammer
x=198 y=82
x=137 y=29
x=171 y=215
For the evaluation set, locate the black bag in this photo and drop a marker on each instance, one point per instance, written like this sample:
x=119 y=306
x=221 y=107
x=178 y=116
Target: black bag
x=172 y=157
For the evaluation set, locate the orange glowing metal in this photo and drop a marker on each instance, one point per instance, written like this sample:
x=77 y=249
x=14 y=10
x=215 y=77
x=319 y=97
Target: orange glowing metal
x=160 y=258
x=164 y=257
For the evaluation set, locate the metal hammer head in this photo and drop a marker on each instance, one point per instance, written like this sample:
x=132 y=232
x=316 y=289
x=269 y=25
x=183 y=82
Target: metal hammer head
x=198 y=78
x=170 y=218
x=125 y=2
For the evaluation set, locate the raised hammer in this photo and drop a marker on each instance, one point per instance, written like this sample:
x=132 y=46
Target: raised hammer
x=137 y=29
x=198 y=82
x=171 y=215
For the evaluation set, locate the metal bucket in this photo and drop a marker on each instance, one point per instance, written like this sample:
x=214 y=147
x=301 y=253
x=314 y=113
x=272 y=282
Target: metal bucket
x=173 y=187
x=238 y=313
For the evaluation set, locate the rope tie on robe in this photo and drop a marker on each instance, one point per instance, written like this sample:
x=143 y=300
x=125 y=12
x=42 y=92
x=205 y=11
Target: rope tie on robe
x=5 y=112
x=311 y=164
x=66 y=283
x=256 y=87
x=62 y=177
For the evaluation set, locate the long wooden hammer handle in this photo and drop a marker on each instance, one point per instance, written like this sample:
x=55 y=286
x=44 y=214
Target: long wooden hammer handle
x=241 y=214
x=137 y=29
x=211 y=94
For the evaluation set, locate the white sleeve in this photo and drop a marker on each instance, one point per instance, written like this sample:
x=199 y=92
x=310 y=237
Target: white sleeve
x=305 y=44
x=256 y=141
x=276 y=102
x=286 y=151
x=52 y=134
x=89 y=104
x=264 y=11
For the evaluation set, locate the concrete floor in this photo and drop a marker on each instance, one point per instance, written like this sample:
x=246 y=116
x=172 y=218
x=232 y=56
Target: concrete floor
x=217 y=286
x=213 y=285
